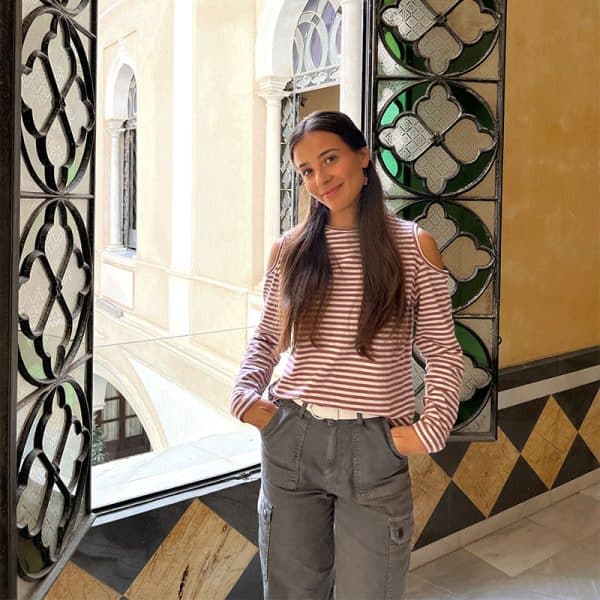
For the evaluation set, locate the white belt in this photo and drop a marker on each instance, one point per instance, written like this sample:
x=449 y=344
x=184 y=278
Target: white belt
x=330 y=412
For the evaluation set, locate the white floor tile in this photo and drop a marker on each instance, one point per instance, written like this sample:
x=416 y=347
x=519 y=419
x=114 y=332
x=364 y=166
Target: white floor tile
x=575 y=517
x=572 y=573
x=461 y=573
x=593 y=491
x=419 y=589
x=518 y=547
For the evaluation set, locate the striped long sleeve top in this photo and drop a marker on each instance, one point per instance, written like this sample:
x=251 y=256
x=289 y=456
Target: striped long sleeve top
x=334 y=374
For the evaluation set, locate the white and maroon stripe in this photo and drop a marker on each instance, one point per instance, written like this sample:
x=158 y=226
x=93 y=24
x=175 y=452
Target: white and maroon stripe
x=333 y=374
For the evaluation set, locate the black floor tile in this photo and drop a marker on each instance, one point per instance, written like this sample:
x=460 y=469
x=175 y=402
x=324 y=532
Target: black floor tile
x=249 y=585
x=577 y=401
x=237 y=507
x=116 y=552
x=518 y=421
x=580 y=460
x=453 y=512
x=522 y=484
x=449 y=458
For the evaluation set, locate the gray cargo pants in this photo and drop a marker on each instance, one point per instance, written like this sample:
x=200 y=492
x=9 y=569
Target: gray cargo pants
x=335 y=506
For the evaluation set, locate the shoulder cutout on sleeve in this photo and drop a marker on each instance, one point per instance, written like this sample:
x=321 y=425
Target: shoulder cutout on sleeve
x=429 y=249
x=274 y=255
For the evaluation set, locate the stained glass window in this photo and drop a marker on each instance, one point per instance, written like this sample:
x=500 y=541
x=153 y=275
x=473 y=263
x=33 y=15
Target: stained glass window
x=436 y=129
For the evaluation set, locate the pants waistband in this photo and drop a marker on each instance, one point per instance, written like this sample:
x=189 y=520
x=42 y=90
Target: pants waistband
x=318 y=411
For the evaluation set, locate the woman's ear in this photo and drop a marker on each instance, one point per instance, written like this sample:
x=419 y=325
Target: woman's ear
x=366 y=158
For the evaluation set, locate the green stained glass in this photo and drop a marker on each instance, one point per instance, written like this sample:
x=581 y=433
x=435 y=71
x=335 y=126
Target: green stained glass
x=473 y=346
x=408 y=54
x=467 y=223
x=471 y=106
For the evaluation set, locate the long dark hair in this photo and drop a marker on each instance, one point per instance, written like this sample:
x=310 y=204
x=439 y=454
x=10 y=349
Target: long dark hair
x=305 y=265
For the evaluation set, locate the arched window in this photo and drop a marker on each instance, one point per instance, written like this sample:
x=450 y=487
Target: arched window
x=119 y=432
x=129 y=149
x=314 y=86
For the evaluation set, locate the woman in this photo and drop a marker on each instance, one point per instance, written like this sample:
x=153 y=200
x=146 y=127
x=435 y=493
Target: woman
x=343 y=291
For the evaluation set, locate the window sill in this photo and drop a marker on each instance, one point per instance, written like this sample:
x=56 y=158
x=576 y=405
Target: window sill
x=120 y=256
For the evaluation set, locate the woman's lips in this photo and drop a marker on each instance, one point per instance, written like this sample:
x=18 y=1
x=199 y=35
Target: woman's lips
x=332 y=191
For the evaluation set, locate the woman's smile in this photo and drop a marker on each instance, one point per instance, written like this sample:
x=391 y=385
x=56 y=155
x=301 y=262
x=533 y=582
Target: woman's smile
x=332 y=191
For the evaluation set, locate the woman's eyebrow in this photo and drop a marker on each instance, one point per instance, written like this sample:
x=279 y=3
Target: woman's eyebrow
x=322 y=154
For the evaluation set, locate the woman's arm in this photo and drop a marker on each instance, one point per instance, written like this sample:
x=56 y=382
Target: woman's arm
x=436 y=340
x=261 y=356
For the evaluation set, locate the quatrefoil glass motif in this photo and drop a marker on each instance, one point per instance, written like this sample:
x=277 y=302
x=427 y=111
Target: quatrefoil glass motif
x=57 y=100
x=51 y=454
x=54 y=290
x=439 y=37
x=438 y=139
x=466 y=245
x=477 y=380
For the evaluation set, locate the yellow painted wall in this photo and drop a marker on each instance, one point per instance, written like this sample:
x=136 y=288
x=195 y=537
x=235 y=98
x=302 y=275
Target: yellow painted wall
x=550 y=289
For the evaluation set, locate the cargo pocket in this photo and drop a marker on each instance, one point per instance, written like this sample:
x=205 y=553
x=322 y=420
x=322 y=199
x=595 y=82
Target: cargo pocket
x=401 y=530
x=282 y=447
x=265 y=512
x=379 y=474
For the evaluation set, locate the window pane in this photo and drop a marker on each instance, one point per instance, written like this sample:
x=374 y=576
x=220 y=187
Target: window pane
x=110 y=431
x=133 y=427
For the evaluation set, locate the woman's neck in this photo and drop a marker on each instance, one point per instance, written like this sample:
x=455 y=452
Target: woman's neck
x=343 y=220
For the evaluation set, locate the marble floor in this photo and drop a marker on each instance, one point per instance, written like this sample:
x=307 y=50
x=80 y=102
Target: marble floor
x=552 y=554
x=169 y=552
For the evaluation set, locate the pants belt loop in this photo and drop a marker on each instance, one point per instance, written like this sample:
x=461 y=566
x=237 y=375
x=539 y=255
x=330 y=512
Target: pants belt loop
x=303 y=409
x=360 y=418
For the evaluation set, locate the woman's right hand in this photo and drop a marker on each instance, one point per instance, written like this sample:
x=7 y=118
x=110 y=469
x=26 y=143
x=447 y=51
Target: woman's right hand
x=259 y=414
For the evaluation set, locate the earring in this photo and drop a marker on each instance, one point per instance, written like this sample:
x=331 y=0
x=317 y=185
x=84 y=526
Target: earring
x=365 y=181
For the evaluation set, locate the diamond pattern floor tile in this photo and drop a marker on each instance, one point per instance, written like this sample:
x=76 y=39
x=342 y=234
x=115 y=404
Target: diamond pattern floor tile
x=484 y=470
x=76 y=584
x=202 y=557
x=428 y=482
x=549 y=442
x=590 y=428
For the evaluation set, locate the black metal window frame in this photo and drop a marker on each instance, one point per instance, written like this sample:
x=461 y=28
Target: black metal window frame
x=129 y=170
x=10 y=116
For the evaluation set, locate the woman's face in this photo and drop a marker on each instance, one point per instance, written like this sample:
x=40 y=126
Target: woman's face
x=332 y=173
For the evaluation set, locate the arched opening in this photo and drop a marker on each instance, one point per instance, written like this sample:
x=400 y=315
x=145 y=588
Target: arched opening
x=118 y=431
x=315 y=85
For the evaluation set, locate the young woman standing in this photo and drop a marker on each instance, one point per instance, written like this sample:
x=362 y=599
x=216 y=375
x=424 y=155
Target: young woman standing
x=347 y=291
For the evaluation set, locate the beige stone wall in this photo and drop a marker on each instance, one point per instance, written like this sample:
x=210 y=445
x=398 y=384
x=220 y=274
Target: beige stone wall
x=550 y=298
x=228 y=131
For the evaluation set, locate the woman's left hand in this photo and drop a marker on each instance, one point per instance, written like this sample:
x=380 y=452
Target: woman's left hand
x=406 y=441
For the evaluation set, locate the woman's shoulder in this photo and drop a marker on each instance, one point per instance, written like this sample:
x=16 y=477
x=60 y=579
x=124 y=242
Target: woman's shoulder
x=278 y=246
x=416 y=245
x=404 y=233
x=400 y=226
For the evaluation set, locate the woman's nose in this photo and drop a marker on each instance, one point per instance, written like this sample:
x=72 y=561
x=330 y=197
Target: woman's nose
x=322 y=176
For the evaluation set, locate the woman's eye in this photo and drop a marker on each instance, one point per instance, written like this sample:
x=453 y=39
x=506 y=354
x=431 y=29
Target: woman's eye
x=330 y=159
x=305 y=173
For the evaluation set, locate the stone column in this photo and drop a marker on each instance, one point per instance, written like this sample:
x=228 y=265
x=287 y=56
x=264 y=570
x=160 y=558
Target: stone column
x=271 y=89
x=116 y=236
x=351 y=67
x=181 y=238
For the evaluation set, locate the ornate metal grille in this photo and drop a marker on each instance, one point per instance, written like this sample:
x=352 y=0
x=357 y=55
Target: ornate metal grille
x=436 y=130
x=129 y=219
x=317 y=43
x=55 y=283
x=288 y=213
